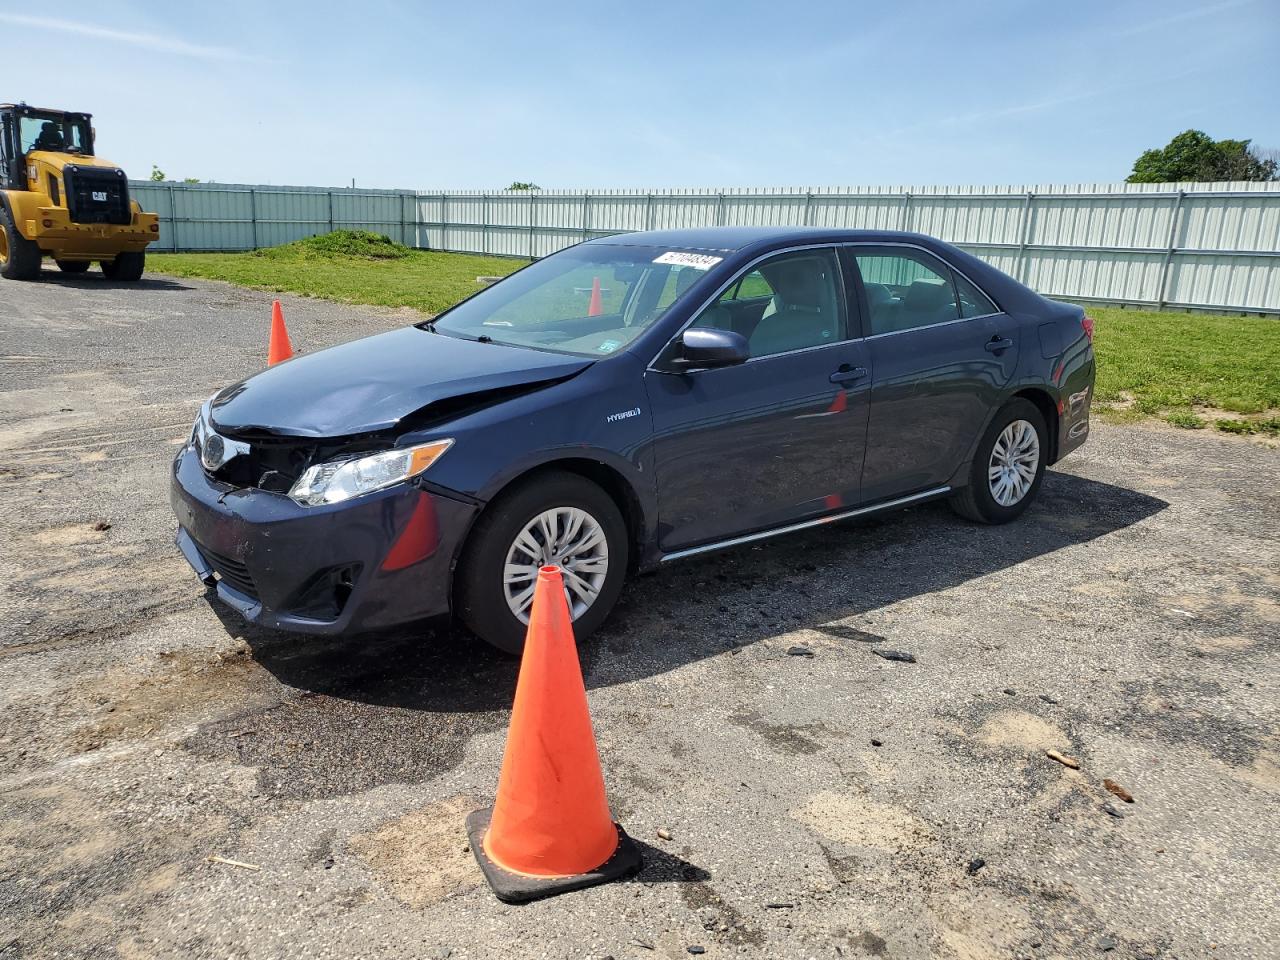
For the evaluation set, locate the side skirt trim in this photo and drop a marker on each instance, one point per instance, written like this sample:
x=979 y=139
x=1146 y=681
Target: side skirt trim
x=805 y=524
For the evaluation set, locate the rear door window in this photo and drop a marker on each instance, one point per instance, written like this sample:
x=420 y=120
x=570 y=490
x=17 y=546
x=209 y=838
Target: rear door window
x=973 y=302
x=906 y=289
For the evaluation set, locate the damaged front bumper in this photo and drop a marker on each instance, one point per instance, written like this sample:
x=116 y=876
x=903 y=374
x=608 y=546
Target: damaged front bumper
x=375 y=561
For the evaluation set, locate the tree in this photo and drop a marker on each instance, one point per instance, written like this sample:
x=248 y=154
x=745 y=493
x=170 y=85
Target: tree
x=190 y=179
x=523 y=185
x=1193 y=155
x=157 y=174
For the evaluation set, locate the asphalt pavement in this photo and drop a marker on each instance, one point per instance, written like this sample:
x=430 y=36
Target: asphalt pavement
x=820 y=801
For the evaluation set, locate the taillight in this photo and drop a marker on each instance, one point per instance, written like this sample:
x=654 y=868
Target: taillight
x=1087 y=323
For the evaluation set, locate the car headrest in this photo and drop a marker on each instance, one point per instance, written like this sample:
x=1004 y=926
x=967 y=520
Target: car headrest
x=686 y=278
x=799 y=282
x=929 y=294
x=877 y=294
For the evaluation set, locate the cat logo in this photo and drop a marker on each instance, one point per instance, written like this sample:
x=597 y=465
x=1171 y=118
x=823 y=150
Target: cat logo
x=100 y=196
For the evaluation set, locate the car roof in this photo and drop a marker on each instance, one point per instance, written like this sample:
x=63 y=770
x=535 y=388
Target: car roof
x=733 y=239
x=49 y=110
x=1009 y=294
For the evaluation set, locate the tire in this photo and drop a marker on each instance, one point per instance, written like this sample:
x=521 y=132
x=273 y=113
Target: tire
x=19 y=257
x=980 y=501
x=72 y=266
x=126 y=267
x=481 y=594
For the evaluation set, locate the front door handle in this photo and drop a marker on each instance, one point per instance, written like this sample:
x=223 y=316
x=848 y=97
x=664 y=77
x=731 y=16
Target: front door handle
x=996 y=344
x=847 y=374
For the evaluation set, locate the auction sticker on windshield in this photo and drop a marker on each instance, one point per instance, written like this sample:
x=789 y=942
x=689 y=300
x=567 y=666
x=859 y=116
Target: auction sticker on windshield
x=699 y=261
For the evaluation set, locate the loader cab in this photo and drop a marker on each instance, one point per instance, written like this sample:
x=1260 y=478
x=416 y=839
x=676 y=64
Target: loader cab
x=24 y=129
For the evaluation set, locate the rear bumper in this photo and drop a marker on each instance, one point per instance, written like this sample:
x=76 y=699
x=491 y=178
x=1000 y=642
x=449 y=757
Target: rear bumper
x=376 y=561
x=1075 y=407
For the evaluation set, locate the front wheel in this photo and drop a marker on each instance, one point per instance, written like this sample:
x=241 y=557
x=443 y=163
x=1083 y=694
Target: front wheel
x=1008 y=466
x=126 y=267
x=19 y=257
x=555 y=518
x=72 y=266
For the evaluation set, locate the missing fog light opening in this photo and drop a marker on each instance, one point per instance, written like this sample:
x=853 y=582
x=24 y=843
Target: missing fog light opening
x=326 y=595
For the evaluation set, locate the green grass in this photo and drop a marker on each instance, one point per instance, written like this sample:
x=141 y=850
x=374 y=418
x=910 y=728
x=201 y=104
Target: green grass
x=1187 y=367
x=1188 y=421
x=1269 y=427
x=1184 y=368
x=349 y=266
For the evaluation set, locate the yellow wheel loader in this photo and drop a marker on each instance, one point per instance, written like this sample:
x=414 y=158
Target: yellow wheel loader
x=58 y=200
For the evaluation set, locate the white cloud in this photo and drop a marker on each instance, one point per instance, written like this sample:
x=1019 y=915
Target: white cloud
x=1195 y=13
x=149 y=41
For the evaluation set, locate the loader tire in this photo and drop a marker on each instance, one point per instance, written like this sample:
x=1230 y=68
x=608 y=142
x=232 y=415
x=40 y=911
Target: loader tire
x=126 y=267
x=72 y=266
x=19 y=257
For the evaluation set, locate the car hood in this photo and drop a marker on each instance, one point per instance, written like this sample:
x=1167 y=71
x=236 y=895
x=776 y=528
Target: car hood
x=374 y=384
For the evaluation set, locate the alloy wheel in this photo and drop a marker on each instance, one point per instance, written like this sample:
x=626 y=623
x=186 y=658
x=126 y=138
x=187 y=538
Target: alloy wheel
x=571 y=539
x=1014 y=461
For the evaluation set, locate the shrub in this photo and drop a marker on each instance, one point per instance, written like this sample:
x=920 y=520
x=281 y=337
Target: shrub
x=342 y=243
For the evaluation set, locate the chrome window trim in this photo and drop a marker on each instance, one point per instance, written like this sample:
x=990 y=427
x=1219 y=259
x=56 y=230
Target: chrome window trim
x=931 y=326
x=803 y=524
x=845 y=244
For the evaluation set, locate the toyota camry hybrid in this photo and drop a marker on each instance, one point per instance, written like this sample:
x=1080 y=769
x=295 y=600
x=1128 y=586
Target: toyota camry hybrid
x=621 y=404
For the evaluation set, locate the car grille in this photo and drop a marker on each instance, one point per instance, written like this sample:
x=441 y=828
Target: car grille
x=97 y=195
x=269 y=465
x=235 y=573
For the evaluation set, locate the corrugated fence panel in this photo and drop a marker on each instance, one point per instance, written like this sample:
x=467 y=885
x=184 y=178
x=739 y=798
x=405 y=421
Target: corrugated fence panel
x=1200 y=245
x=1225 y=281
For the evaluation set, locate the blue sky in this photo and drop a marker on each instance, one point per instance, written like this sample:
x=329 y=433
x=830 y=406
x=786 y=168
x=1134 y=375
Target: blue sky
x=653 y=94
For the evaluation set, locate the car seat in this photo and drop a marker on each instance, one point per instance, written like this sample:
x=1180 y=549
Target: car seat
x=802 y=312
x=928 y=301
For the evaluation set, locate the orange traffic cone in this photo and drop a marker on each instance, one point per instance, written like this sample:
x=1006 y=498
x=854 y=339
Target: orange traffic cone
x=279 y=347
x=550 y=830
x=596 y=306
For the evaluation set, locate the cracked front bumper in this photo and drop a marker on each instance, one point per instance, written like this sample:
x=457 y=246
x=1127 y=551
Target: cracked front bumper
x=374 y=561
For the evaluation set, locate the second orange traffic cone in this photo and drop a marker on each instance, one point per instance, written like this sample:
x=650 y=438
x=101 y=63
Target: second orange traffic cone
x=550 y=830
x=595 y=306
x=279 y=348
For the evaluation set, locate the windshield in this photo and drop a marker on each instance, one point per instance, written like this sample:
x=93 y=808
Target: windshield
x=53 y=132
x=590 y=300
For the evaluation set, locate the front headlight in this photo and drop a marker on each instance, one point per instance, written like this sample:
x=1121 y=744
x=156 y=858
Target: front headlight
x=340 y=480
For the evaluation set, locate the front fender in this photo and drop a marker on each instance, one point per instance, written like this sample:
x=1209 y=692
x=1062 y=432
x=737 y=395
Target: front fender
x=24 y=209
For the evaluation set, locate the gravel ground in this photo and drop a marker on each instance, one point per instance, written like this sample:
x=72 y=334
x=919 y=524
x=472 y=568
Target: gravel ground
x=837 y=805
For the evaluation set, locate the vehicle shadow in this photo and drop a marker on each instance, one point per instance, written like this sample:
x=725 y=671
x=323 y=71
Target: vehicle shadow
x=95 y=280
x=707 y=606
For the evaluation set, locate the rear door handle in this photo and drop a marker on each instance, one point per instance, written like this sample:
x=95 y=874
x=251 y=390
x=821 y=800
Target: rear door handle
x=847 y=374
x=996 y=344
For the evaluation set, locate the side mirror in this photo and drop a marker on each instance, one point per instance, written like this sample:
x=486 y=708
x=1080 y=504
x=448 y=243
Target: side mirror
x=704 y=347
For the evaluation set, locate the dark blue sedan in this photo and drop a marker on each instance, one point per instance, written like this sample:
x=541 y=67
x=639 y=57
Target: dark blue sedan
x=620 y=404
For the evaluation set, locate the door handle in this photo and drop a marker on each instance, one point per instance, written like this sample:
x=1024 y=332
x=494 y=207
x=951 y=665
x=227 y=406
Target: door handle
x=996 y=344
x=847 y=374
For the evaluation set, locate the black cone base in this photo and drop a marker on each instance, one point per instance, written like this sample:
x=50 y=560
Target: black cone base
x=520 y=888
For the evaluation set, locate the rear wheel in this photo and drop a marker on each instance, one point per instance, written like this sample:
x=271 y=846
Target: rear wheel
x=126 y=267
x=1008 y=466
x=19 y=257
x=72 y=266
x=558 y=518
